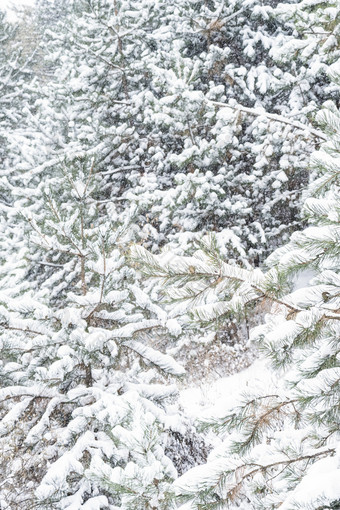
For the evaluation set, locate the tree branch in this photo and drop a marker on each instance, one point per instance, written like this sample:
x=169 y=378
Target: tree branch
x=274 y=117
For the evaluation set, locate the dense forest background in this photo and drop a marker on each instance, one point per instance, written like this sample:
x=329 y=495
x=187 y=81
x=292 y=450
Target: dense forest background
x=169 y=196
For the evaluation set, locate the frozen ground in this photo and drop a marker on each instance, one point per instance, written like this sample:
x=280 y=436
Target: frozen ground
x=214 y=398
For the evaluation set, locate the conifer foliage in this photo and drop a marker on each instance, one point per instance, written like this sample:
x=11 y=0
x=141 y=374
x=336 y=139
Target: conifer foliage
x=16 y=72
x=75 y=425
x=149 y=123
x=230 y=111
x=281 y=447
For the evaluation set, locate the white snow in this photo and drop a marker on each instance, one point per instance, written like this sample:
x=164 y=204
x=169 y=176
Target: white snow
x=214 y=399
x=321 y=480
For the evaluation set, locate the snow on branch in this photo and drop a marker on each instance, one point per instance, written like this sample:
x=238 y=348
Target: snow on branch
x=163 y=361
x=271 y=116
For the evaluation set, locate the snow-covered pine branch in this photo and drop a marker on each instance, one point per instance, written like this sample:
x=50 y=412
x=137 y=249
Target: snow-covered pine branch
x=305 y=129
x=280 y=443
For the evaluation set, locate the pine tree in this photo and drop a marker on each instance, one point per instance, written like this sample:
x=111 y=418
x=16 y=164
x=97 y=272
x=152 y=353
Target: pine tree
x=18 y=90
x=198 y=116
x=232 y=128
x=84 y=418
x=148 y=127
x=232 y=109
x=86 y=391
x=15 y=76
x=200 y=123
x=280 y=445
